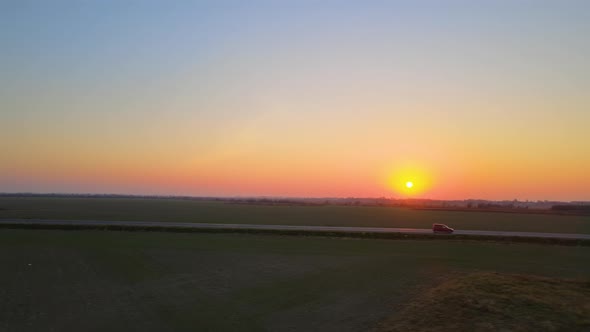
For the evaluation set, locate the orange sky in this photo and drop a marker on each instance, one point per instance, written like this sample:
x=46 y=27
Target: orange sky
x=486 y=101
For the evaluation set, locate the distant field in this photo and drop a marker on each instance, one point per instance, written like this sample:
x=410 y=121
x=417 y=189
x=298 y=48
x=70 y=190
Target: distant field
x=220 y=212
x=121 y=281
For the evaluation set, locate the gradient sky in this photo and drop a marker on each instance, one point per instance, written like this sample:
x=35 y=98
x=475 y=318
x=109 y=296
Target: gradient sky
x=467 y=99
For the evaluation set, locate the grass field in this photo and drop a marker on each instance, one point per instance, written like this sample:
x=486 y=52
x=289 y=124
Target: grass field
x=219 y=212
x=121 y=281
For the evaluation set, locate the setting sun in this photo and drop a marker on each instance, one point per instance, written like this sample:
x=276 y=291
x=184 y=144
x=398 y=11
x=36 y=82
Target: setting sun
x=410 y=178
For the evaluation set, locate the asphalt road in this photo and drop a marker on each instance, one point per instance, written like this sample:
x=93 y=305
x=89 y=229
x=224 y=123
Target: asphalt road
x=144 y=224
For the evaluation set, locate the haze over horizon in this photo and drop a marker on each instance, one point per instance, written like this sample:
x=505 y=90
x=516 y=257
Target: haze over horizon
x=433 y=99
x=295 y=198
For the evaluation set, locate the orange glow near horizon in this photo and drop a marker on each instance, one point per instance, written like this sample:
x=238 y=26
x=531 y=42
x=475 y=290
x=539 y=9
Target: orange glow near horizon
x=255 y=178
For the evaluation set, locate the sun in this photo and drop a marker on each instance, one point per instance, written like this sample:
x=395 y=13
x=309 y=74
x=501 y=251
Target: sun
x=409 y=180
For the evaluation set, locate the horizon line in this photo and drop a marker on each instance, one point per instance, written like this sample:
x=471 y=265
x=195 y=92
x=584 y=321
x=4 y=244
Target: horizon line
x=281 y=197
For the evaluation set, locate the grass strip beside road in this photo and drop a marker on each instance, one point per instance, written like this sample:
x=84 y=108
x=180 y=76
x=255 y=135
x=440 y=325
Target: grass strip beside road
x=364 y=235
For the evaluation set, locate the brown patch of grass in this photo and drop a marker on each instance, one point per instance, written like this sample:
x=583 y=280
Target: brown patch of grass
x=497 y=302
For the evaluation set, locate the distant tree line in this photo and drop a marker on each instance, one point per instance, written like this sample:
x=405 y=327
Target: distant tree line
x=571 y=207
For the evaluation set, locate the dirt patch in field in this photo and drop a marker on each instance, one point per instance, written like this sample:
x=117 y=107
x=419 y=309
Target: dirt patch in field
x=497 y=302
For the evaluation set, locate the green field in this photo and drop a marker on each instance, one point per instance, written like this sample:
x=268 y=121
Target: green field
x=123 y=281
x=220 y=212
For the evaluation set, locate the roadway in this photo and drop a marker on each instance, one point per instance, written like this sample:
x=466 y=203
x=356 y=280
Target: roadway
x=156 y=224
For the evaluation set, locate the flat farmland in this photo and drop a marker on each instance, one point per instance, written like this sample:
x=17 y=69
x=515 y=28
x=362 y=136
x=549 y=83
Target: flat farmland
x=121 y=281
x=136 y=209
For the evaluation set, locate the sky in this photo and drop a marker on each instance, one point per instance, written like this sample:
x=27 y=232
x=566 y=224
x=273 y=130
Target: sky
x=465 y=99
